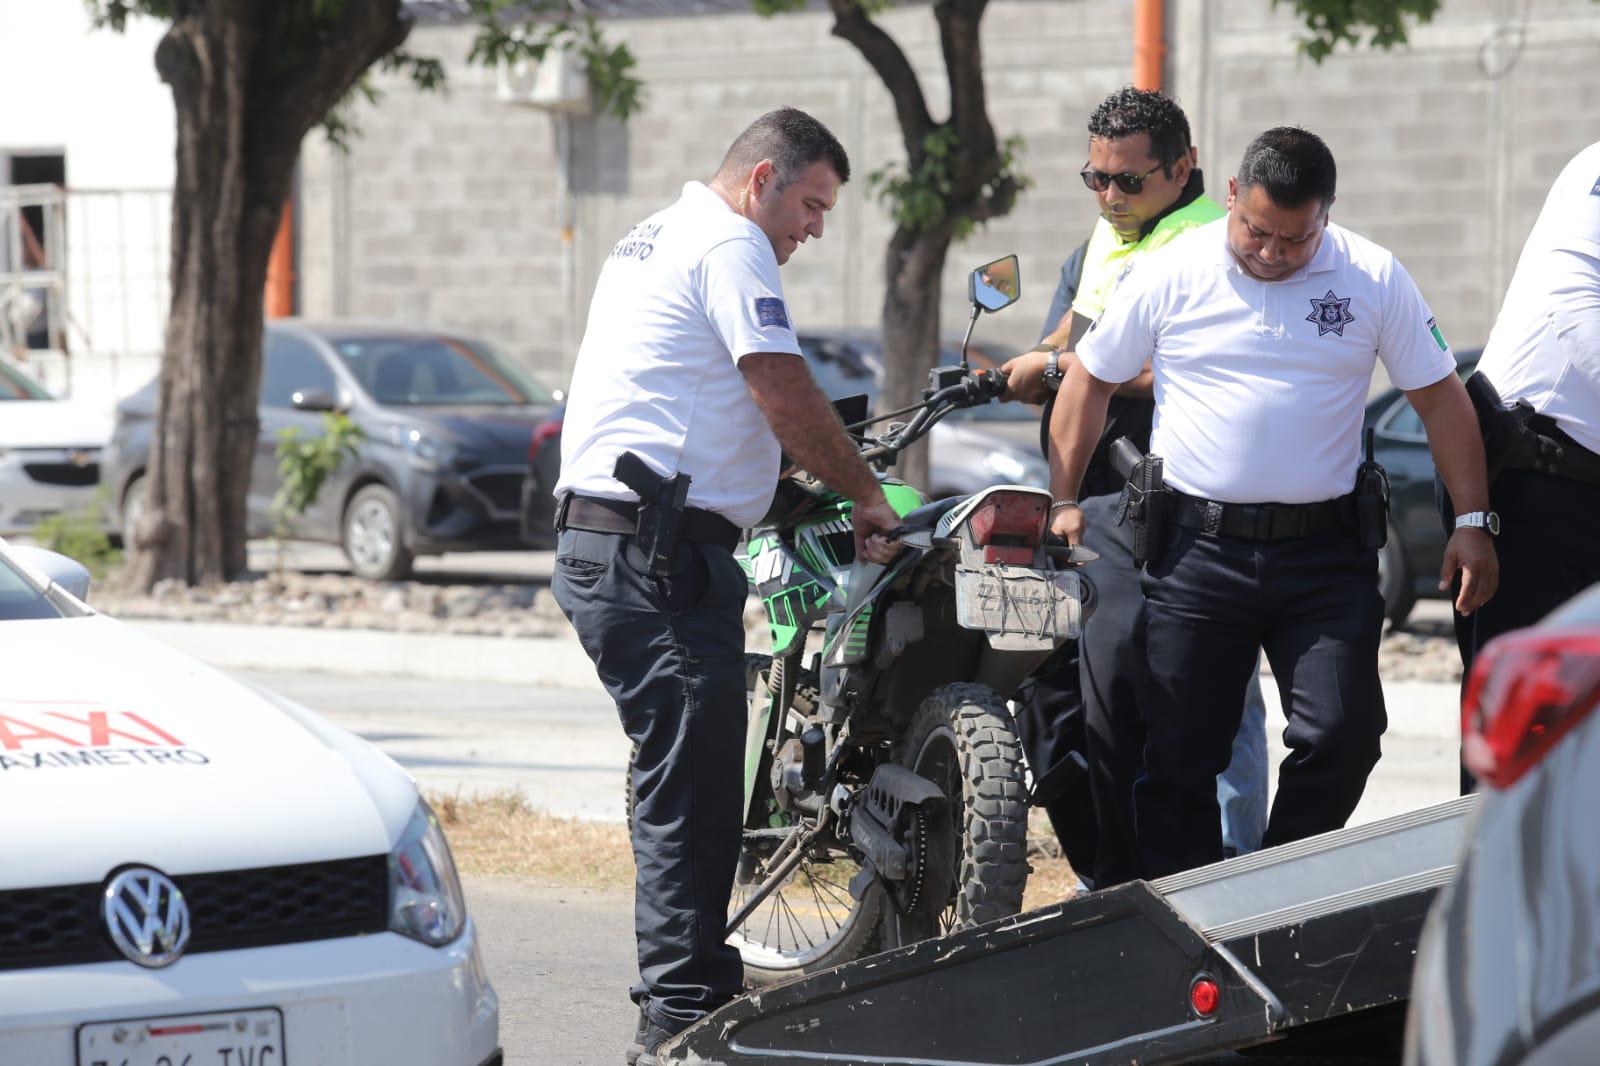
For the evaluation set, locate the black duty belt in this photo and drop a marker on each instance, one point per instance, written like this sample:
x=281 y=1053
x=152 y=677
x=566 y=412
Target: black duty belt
x=1559 y=455
x=599 y=515
x=1265 y=521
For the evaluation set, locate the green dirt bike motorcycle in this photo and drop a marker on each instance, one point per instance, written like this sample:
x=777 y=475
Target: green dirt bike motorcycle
x=885 y=796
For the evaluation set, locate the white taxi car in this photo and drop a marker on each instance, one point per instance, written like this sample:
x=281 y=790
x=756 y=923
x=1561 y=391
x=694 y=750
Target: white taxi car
x=198 y=873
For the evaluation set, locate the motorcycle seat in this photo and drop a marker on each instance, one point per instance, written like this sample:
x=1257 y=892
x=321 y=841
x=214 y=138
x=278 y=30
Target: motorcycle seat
x=928 y=515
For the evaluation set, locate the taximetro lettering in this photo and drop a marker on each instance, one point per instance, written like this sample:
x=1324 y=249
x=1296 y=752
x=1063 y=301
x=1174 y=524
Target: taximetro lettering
x=86 y=738
x=96 y=726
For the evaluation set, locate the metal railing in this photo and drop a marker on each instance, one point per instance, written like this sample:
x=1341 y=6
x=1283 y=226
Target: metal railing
x=84 y=280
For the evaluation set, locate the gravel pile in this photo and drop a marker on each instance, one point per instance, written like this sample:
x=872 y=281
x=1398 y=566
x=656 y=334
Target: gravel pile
x=335 y=601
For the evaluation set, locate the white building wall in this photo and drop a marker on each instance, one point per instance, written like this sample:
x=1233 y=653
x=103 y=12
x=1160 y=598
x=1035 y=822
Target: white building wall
x=93 y=96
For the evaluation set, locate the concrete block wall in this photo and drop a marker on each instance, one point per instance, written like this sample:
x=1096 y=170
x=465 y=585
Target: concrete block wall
x=1446 y=148
x=449 y=208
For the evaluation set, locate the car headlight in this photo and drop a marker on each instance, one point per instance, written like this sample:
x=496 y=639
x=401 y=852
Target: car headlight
x=425 y=900
x=424 y=453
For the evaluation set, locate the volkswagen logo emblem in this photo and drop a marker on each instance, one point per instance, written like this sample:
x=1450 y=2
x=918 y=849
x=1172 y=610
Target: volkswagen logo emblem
x=146 y=916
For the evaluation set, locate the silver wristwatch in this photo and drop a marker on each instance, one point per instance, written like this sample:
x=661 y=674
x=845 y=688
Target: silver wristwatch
x=1487 y=521
x=1052 y=371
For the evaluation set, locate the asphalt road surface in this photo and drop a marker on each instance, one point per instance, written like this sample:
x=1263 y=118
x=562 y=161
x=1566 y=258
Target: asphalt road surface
x=561 y=960
x=564 y=748
x=566 y=751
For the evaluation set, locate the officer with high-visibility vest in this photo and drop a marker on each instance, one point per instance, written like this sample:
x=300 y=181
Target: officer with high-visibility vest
x=1146 y=179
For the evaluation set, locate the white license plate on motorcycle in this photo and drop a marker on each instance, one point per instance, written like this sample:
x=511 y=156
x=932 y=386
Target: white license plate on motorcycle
x=1021 y=608
x=237 y=1038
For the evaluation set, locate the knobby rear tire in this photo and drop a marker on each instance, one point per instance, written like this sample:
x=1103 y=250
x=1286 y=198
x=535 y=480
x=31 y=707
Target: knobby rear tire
x=963 y=739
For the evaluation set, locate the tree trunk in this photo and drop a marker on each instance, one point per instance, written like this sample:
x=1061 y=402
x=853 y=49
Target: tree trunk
x=911 y=330
x=249 y=78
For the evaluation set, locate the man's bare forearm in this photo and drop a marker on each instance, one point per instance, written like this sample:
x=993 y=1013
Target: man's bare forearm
x=1075 y=427
x=806 y=424
x=1455 y=441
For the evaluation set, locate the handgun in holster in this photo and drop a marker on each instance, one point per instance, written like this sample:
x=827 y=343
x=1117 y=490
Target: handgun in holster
x=1145 y=501
x=661 y=503
x=1509 y=442
x=1372 y=501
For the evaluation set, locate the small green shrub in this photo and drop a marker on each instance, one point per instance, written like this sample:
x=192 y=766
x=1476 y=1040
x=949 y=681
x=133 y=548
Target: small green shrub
x=78 y=535
x=306 y=463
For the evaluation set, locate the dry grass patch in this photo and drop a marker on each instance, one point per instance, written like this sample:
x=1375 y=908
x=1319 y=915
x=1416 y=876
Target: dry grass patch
x=499 y=834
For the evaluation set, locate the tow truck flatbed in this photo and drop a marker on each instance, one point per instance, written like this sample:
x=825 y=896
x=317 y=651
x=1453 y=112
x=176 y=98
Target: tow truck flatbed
x=1287 y=938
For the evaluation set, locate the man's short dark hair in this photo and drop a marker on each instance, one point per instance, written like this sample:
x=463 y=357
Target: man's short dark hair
x=793 y=140
x=1129 y=111
x=1293 y=165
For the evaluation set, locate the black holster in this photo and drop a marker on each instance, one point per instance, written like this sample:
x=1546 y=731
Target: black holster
x=1509 y=442
x=1372 y=501
x=1145 y=500
x=661 y=504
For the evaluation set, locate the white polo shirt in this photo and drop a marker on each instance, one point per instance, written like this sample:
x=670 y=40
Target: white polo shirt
x=682 y=298
x=1260 y=385
x=1545 y=346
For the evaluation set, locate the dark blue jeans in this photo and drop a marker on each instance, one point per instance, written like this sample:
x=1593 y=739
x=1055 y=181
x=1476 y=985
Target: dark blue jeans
x=670 y=651
x=1212 y=604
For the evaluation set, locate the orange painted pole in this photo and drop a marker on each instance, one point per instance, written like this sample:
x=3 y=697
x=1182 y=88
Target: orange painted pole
x=1149 y=43
x=280 y=267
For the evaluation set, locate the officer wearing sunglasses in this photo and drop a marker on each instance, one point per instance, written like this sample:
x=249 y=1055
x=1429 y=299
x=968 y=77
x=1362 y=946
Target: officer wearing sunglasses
x=1149 y=190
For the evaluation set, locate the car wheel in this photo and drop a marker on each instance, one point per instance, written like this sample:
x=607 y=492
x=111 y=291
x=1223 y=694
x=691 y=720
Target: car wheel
x=133 y=502
x=1394 y=581
x=372 y=535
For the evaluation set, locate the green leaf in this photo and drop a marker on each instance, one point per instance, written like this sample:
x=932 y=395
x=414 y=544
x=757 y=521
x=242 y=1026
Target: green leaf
x=1335 y=22
x=306 y=463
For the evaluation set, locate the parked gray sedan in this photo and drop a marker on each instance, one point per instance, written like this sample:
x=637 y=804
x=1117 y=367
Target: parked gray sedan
x=447 y=421
x=1508 y=970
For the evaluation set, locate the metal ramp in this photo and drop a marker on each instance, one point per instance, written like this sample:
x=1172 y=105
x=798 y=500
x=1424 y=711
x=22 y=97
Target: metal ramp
x=1309 y=932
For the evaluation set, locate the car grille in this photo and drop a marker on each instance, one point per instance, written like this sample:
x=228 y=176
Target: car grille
x=236 y=909
x=501 y=489
x=63 y=473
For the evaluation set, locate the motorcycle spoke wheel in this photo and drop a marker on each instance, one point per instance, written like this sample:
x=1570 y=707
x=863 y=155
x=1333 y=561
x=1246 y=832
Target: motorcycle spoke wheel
x=809 y=922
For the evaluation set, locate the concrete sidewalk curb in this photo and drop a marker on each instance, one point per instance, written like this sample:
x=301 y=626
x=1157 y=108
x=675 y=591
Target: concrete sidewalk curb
x=550 y=661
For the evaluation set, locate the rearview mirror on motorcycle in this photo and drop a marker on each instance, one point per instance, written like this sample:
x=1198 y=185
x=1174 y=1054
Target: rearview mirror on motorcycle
x=992 y=287
x=995 y=285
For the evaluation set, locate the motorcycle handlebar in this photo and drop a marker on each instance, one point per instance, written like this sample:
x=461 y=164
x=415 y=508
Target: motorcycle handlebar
x=979 y=386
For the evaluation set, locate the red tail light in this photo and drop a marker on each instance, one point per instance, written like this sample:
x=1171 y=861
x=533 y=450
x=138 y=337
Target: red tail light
x=543 y=432
x=1008 y=526
x=1527 y=690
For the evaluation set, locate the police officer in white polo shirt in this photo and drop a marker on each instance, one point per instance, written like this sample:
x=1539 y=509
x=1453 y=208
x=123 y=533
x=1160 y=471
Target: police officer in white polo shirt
x=1541 y=413
x=1263 y=329
x=689 y=367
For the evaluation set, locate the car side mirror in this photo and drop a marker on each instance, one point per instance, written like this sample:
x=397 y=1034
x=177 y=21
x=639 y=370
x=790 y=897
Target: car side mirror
x=68 y=573
x=995 y=285
x=313 y=400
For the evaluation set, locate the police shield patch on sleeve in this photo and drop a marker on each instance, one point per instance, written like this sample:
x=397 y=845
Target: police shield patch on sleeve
x=770 y=312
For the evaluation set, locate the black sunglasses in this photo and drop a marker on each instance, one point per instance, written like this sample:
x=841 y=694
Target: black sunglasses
x=1131 y=184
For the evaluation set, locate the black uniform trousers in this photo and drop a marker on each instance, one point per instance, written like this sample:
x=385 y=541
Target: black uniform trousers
x=670 y=652
x=1547 y=553
x=1114 y=671
x=1212 y=604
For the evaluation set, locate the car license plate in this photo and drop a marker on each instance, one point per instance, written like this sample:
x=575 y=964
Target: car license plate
x=1022 y=609
x=225 y=1038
